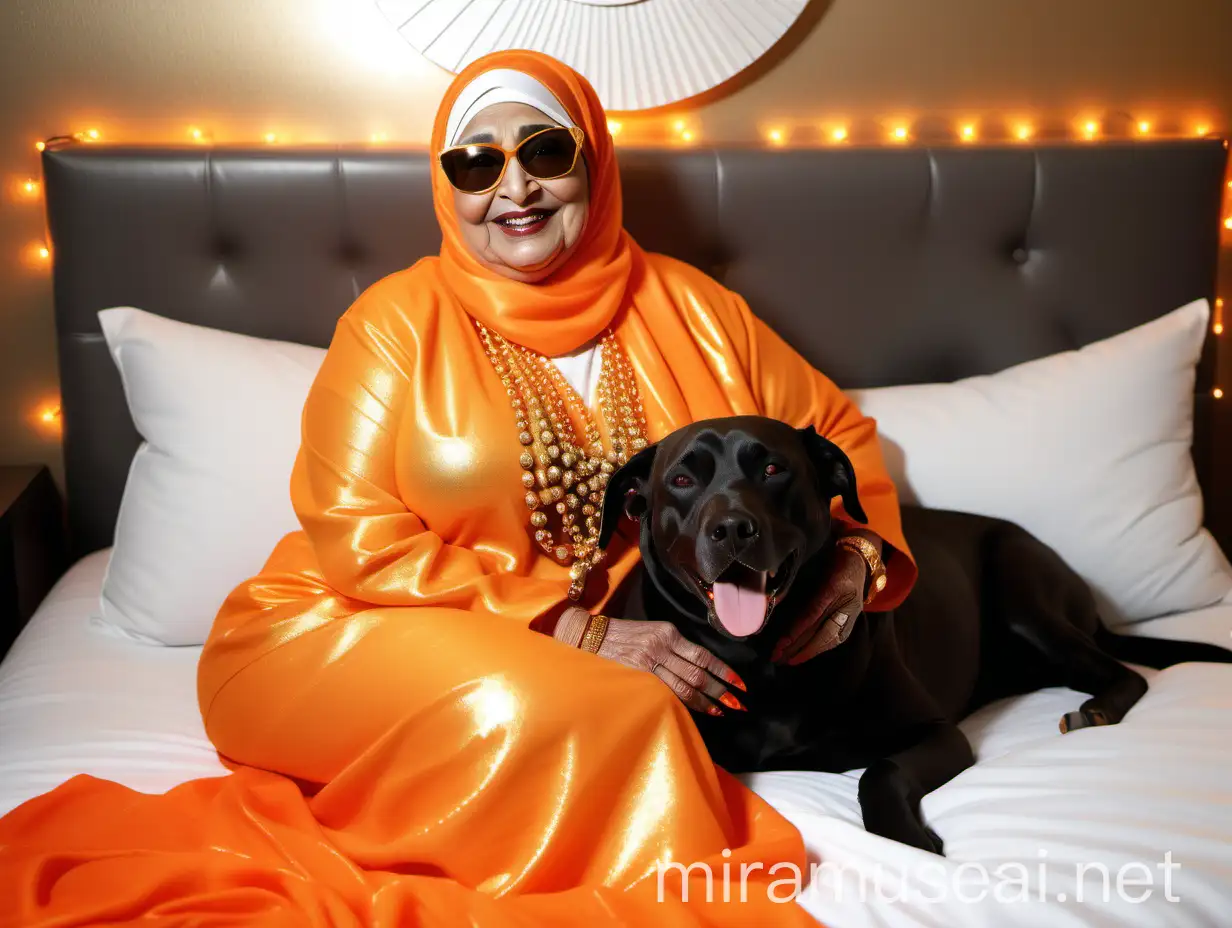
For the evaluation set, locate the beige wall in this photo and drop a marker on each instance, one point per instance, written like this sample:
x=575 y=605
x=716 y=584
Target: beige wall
x=332 y=70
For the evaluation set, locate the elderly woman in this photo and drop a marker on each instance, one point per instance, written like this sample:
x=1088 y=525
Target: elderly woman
x=424 y=722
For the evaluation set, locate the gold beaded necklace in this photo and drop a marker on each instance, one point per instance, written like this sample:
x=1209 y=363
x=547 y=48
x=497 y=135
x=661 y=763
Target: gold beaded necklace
x=558 y=471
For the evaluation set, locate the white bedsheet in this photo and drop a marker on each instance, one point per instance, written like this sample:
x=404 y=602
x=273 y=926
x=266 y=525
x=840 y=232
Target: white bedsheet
x=1148 y=799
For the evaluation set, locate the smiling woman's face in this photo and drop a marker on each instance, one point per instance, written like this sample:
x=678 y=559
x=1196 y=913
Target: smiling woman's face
x=526 y=228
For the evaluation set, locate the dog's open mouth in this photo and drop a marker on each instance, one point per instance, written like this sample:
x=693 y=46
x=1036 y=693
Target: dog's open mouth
x=741 y=599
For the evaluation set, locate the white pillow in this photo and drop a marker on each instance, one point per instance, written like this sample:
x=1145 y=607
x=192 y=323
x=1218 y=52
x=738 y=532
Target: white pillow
x=1089 y=450
x=207 y=496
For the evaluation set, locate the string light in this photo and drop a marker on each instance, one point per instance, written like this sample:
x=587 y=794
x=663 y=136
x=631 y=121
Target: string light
x=30 y=189
x=1217 y=393
x=1227 y=223
x=50 y=414
x=1218 y=327
x=777 y=135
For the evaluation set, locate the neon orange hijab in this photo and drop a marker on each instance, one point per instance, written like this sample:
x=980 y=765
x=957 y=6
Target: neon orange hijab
x=579 y=300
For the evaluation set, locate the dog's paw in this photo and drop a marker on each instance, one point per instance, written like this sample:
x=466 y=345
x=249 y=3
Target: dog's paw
x=1083 y=718
x=917 y=834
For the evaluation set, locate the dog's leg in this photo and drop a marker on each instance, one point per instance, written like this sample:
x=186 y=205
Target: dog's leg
x=1084 y=667
x=892 y=787
x=921 y=749
x=1046 y=605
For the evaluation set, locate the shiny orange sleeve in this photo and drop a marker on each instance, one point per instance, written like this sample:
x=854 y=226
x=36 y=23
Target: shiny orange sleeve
x=791 y=389
x=368 y=544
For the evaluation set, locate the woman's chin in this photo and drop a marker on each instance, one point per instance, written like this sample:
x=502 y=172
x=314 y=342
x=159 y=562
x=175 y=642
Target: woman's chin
x=533 y=265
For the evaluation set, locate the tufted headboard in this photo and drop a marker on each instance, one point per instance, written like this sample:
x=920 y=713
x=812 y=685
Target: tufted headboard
x=882 y=266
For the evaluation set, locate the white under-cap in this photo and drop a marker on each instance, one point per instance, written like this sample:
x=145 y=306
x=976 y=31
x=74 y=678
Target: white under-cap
x=501 y=86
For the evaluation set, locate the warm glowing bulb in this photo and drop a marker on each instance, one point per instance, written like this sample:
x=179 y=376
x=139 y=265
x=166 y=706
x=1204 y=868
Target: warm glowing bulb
x=1227 y=223
x=679 y=125
x=48 y=415
x=1144 y=127
x=687 y=135
x=44 y=252
x=968 y=132
x=839 y=134
x=1218 y=328
x=379 y=138
x=900 y=133
x=1217 y=393
x=30 y=188
x=1025 y=132
x=197 y=134
x=614 y=127
x=270 y=138
x=775 y=136
x=41 y=146
x=1090 y=129
x=1202 y=130
x=93 y=135
x=1219 y=302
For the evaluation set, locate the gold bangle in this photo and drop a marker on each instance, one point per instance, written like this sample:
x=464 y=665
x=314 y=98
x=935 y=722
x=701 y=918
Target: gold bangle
x=862 y=547
x=592 y=638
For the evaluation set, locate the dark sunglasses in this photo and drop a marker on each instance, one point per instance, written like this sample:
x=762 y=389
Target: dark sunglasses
x=546 y=155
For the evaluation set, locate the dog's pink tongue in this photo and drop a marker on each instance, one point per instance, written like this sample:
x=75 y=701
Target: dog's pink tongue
x=741 y=609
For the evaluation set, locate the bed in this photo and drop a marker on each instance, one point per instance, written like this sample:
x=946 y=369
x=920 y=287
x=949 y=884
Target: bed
x=885 y=268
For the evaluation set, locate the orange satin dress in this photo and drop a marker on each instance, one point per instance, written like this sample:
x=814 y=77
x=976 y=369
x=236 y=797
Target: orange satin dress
x=410 y=744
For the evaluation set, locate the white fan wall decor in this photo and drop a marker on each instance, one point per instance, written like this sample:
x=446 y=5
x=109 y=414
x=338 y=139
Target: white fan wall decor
x=638 y=54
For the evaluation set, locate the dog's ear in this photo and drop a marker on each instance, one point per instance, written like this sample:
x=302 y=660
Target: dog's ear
x=835 y=475
x=624 y=494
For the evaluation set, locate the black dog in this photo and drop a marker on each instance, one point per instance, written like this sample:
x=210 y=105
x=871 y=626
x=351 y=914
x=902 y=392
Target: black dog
x=735 y=535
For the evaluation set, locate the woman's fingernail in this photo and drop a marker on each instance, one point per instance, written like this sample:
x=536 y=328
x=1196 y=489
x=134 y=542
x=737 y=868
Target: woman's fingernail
x=715 y=710
x=732 y=702
x=734 y=679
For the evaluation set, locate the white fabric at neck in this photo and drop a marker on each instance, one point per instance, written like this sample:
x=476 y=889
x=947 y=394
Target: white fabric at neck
x=501 y=86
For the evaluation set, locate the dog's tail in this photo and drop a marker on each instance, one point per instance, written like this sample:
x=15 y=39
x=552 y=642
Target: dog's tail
x=1159 y=653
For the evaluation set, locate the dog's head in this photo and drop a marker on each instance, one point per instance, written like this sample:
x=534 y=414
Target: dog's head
x=730 y=511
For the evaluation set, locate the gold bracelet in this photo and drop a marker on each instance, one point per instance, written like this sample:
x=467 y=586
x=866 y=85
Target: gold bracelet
x=592 y=638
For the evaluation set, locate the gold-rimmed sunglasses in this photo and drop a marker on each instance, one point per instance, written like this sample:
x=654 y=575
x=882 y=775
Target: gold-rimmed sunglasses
x=546 y=155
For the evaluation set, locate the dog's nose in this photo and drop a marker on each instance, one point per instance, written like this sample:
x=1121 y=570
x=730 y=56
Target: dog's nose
x=734 y=527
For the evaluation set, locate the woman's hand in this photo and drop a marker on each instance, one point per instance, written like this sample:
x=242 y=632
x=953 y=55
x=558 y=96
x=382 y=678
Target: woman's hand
x=831 y=615
x=698 y=678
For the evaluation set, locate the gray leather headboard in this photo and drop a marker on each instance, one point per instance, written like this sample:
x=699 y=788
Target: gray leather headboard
x=883 y=266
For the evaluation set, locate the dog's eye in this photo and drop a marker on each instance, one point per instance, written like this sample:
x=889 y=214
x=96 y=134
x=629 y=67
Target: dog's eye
x=682 y=480
x=772 y=469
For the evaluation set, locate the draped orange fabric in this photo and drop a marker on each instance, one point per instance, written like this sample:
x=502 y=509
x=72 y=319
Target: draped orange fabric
x=409 y=745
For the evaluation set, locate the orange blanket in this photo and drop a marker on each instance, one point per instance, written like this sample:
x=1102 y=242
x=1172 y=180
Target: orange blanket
x=409 y=747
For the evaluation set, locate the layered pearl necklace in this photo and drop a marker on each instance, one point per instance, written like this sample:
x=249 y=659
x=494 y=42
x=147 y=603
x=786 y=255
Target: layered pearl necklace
x=558 y=471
